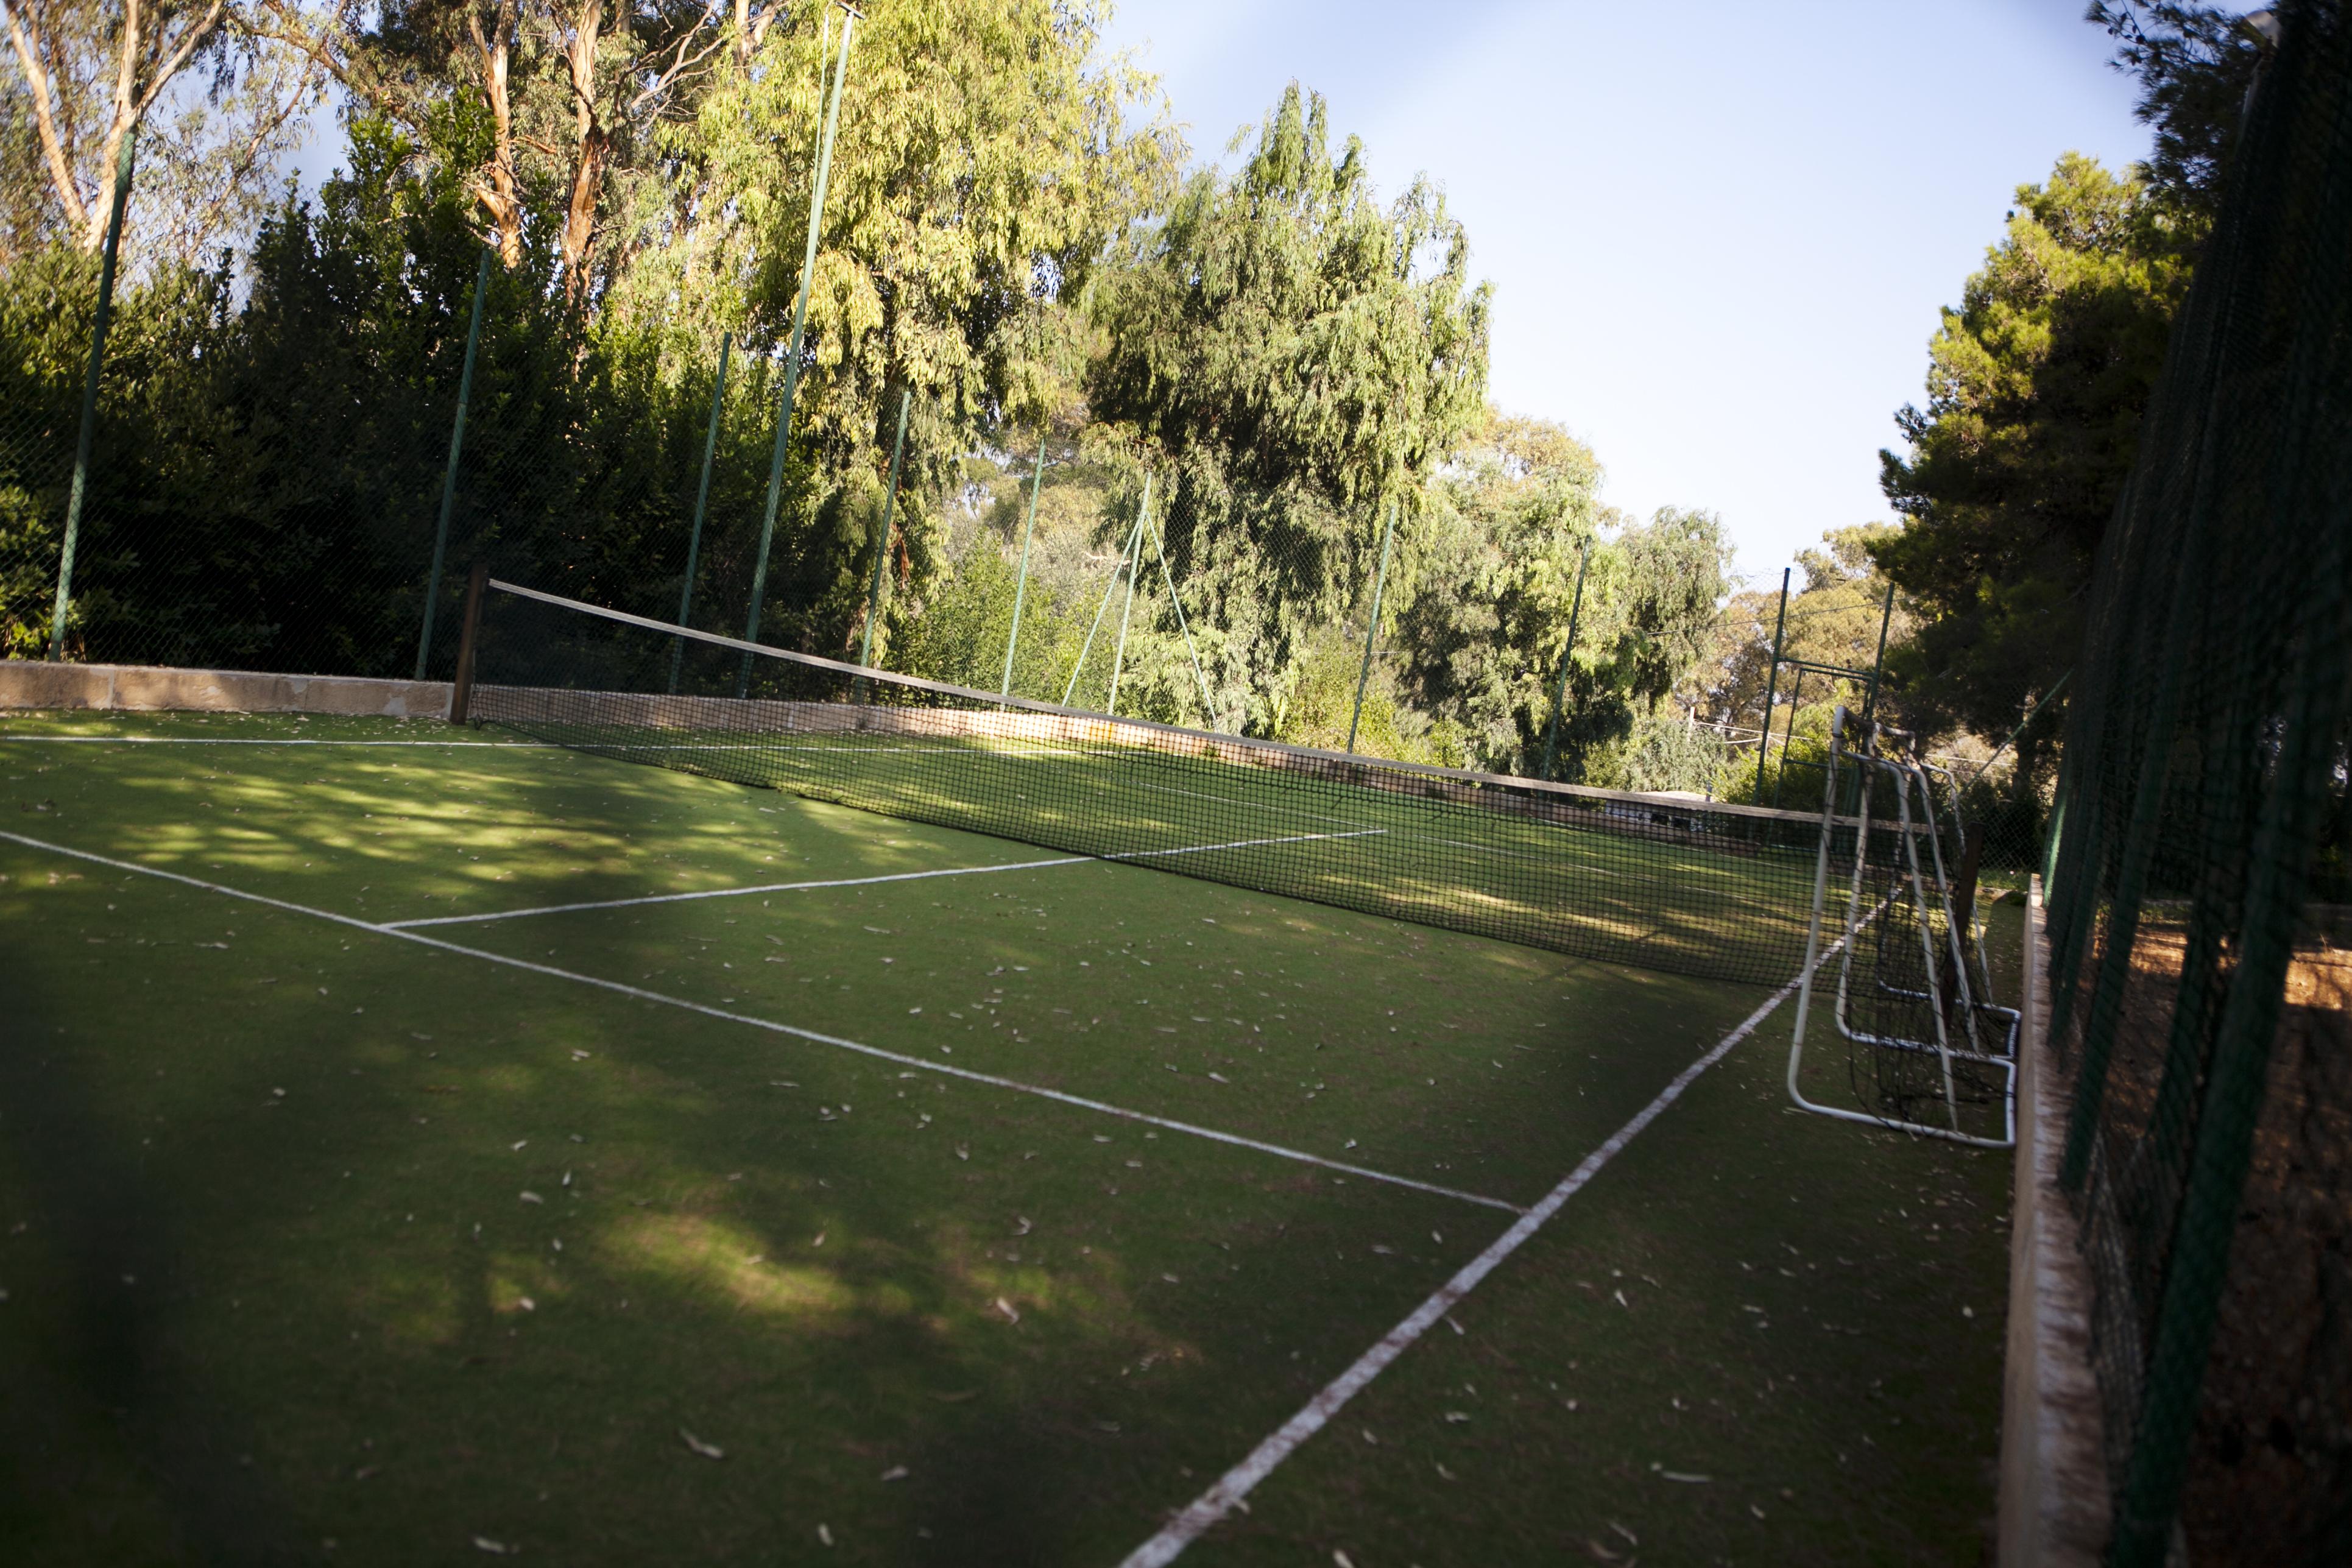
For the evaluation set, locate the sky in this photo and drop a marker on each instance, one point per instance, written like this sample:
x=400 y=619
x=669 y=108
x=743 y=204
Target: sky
x=1719 y=232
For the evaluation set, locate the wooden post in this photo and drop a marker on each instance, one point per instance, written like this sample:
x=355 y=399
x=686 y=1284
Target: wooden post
x=461 y=695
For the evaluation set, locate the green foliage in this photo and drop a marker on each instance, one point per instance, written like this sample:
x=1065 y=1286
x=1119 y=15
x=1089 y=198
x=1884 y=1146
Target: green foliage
x=1296 y=355
x=2035 y=388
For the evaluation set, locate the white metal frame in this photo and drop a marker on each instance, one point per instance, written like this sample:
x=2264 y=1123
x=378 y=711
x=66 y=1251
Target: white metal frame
x=1908 y=773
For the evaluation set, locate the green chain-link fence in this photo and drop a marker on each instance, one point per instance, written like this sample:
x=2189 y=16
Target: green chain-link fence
x=2202 y=994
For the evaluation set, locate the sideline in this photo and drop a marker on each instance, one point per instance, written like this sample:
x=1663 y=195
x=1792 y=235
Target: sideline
x=639 y=994
x=1236 y=1484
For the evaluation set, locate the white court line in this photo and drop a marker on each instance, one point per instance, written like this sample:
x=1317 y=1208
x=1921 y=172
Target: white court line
x=1236 y=1484
x=728 y=893
x=229 y=741
x=856 y=881
x=838 y=1042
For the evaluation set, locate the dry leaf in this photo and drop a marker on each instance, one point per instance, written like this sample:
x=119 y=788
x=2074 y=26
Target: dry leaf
x=707 y=1451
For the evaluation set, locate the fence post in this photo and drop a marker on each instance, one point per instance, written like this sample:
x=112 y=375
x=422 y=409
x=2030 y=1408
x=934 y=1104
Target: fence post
x=73 y=539
x=1020 y=587
x=792 y=352
x=461 y=693
x=1878 y=663
x=1373 y=631
x=1560 y=696
x=1771 y=687
x=701 y=503
x=450 y=479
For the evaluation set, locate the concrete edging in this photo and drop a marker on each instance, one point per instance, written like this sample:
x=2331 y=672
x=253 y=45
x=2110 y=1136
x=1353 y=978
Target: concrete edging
x=143 y=688
x=2053 y=1509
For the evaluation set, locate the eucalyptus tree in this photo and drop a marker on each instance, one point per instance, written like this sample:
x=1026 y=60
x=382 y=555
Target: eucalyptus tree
x=1294 y=353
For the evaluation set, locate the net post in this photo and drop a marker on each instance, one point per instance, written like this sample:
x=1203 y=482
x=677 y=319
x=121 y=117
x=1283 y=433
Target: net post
x=1771 y=685
x=701 y=504
x=461 y=692
x=1560 y=696
x=1373 y=631
x=1021 y=587
x=882 y=543
x=793 y=351
x=122 y=166
x=449 y=476
x=1134 y=559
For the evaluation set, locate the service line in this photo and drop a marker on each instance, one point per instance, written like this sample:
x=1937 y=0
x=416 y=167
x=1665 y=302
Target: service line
x=857 y=881
x=640 y=993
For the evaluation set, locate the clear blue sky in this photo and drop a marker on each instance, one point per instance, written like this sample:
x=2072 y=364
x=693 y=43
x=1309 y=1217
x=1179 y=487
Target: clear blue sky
x=1718 y=231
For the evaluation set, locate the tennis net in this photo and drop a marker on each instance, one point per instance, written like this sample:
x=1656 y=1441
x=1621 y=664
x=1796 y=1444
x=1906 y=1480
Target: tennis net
x=1685 y=886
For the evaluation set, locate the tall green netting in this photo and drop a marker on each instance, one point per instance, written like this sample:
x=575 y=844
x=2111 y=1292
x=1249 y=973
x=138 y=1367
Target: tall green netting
x=2201 y=987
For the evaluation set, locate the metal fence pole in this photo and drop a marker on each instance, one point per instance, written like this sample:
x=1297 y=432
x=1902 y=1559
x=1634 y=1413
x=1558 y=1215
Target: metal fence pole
x=1559 y=697
x=701 y=502
x=882 y=545
x=449 y=477
x=1771 y=687
x=1020 y=587
x=122 y=164
x=1878 y=662
x=792 y=352
x=1373 y=631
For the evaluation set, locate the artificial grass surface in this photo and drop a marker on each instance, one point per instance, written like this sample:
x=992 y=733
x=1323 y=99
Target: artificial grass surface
x=823 y=1258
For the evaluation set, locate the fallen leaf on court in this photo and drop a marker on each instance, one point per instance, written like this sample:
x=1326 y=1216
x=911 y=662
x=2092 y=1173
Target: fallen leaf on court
x=1171 y=1280
x=526 y=1304
x=1370 y=1439
x=1447 y=1474
x=531 y=1197
x=1220 y=1078
x=894 y=1473
x=819 y=1239
x=1341 y=1559
x=1455 y=1327
x=519 y=1142
x=825 y=1535
x=580 y=1056
x=1620 y=1299
x=963 y=1152
x=495 y=1548
x=1011 y=1314
x=1631 y=1539
x=707 y=1451
x=1024 y=1227
x=1453 y=1416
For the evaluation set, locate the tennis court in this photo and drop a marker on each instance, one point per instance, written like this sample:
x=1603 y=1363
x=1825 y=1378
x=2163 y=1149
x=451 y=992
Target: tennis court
x=429 y=1143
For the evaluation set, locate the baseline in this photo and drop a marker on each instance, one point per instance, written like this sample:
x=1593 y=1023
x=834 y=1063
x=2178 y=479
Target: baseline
x=638 y=993
x=258 y=741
